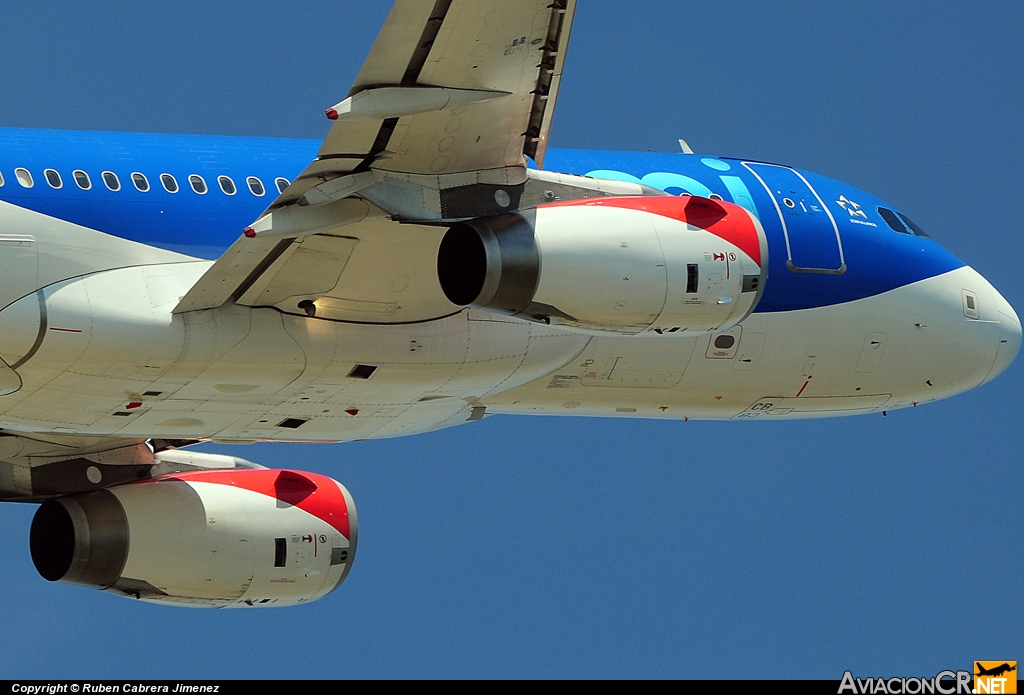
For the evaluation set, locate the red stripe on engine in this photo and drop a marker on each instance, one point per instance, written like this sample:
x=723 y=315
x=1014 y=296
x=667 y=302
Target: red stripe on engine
x=724 y=220
x=313 y=493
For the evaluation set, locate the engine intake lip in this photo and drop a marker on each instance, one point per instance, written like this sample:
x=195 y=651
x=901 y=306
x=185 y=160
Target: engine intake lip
x=462 y=265
x=80 y=540
x=51 y=541
x=491 y=263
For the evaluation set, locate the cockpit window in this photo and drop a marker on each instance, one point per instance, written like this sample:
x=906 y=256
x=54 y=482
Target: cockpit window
x=910 y=223
x=901 y=223
x=893 y=221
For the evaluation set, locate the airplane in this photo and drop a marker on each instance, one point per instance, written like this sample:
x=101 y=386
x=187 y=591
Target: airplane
x=430 y=263
x=995 y=670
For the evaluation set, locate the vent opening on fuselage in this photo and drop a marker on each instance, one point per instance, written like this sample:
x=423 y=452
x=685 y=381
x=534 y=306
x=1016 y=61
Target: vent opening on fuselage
x=362 y=371
x=692 y=278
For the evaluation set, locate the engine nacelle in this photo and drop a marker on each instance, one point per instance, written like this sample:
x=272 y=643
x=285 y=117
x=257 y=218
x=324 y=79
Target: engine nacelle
x=655 y=265
x=234 y=538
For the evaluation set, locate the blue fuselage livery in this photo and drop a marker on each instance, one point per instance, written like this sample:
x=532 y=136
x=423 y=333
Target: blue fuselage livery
x=829 y=226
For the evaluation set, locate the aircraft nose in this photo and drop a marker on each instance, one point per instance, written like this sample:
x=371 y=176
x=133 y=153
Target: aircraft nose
x=1009 y=335
x=974 y=334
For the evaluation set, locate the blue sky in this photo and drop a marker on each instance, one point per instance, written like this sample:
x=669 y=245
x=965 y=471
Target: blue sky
x=562 y=547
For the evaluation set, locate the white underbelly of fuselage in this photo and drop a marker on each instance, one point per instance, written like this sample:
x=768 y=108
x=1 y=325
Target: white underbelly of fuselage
x=95 y=358
x=899 y=349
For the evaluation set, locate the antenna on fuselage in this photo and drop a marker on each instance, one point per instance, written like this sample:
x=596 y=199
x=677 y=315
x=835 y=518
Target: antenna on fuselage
x=685 y=147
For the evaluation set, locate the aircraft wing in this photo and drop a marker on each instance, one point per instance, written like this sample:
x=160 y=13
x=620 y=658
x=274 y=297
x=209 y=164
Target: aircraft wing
x=453 y=98
x=42 y=465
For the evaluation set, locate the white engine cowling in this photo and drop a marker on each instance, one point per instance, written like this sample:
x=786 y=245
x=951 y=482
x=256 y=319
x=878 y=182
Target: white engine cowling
x=234 y=538
x=648 y=265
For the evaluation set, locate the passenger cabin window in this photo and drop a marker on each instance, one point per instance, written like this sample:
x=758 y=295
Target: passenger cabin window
x=111 y=181
x=82 y=179
x=169 y=182
x=227 y=185
x=198 y=184
x=141 y=182
x=255 y=186
x=894 y=222
x=24 y=177
x=281 y=184
x=53 y=178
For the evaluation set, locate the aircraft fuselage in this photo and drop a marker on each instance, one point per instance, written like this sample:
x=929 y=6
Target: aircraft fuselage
x=859 y=312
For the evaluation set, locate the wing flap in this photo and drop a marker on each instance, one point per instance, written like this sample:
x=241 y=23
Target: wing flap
x=249 y=258
x=344 y=261
x=306 y=270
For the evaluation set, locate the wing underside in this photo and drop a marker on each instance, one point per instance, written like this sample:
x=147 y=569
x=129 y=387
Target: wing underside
x=453 y=98
x=39 y=466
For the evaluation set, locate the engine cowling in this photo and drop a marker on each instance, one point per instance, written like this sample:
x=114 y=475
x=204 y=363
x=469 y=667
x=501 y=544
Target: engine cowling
x=236 y=538
x=628 y=266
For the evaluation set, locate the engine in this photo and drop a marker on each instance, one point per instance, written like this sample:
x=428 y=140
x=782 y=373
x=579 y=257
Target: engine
x=235 y=538
x=628 y=266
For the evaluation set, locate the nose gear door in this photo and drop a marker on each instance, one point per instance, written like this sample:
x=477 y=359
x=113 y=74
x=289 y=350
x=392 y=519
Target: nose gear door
x=812 y=237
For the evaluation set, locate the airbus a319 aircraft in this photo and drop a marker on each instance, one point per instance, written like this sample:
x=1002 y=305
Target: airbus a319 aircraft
x=431 y=262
